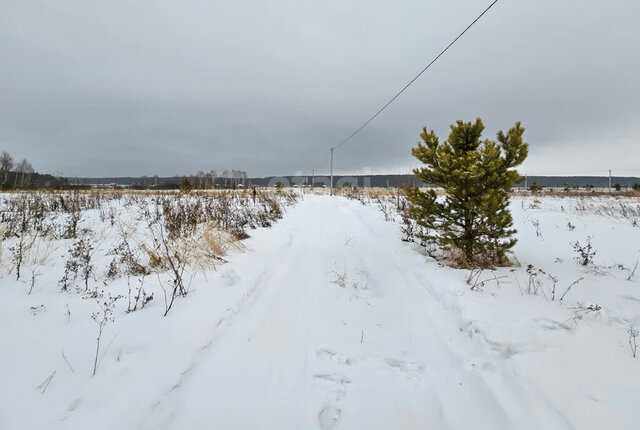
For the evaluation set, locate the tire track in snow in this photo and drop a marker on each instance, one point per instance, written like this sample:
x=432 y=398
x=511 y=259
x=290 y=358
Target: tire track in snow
x=163 y=411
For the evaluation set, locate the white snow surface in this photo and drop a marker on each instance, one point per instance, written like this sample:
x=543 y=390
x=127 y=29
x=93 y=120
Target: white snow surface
x=329 y=321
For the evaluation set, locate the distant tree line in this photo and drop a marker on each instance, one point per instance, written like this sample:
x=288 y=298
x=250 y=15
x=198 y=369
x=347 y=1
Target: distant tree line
x=201 y=180
x=15 y=175
x=22 y=175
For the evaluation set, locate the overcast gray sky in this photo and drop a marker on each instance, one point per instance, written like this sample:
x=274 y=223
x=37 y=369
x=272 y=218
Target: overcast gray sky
x=144 y=87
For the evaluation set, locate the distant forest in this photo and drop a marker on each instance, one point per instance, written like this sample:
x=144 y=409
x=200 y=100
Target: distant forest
x=22 y=175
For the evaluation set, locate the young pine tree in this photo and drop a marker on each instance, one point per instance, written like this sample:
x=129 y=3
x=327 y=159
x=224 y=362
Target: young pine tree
x=476 y=174
x=185 y=186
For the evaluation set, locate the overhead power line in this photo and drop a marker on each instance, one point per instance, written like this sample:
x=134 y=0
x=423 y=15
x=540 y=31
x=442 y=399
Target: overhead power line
x=417 y=76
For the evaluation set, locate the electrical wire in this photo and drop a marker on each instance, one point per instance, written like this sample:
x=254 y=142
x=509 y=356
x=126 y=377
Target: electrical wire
x=416 y=76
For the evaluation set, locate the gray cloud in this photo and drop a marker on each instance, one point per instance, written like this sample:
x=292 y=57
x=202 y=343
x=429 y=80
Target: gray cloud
x=92 y=88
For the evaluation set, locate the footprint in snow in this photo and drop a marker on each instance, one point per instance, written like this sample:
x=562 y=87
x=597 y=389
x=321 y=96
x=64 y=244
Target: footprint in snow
x=74 y=405
x=333 y=377
x=405 y=366
x=230 y=277
x=551 y=324
x=330 y=355
x=329 y=415
x=631 y=298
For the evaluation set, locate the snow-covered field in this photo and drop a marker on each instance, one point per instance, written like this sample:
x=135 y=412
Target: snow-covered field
x=328 y=320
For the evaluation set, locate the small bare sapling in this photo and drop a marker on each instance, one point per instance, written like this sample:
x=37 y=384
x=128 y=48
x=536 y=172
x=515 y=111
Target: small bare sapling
x=102 y=318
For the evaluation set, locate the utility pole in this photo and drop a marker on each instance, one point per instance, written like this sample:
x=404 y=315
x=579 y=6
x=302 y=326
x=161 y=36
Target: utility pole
x=609 y=178
x=313 y=177
x=331 y=183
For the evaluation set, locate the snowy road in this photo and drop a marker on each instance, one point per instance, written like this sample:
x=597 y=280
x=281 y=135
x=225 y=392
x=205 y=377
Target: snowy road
x=336 y=331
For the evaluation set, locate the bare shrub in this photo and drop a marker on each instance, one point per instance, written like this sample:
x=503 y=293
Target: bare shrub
x=585 y=252
x=409 y=227
x=340 y=279
x=539 y=282
x=387 y=209
x=187 y=234
x=39 y=255
x=582 y=311
x=79 y=262
x=535 y=282
x=137 y=295
x=210 y=244
x=474 y=279
x=127 y=257
x=20 y=251
x=169 y=255
x=390 y=206
x=71 y=229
